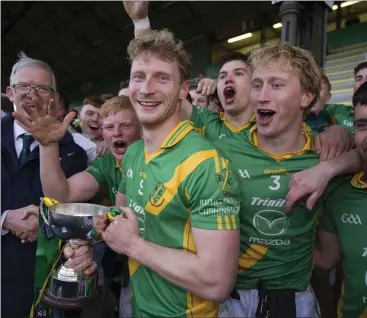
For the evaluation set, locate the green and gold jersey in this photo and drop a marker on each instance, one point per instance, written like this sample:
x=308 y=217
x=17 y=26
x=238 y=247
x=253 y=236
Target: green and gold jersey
x=346 y=215
x=214 y=126
x=107 y=171
x=276 y=248
x=340 y=114
x=185 y=184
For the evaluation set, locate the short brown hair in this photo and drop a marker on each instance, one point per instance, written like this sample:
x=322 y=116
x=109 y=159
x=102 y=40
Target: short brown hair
x=164 y=45
x=298 y=59
x=115 y=105
x=325 y=80
x=96 y=101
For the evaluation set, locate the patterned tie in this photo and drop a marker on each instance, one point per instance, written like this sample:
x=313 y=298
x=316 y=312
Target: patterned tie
x=27 y=140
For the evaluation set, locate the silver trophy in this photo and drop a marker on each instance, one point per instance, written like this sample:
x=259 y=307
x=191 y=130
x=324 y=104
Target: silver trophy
x=72 y=223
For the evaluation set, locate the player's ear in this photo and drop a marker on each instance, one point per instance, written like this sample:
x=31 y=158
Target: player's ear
x=185 y=86
x=307 y=98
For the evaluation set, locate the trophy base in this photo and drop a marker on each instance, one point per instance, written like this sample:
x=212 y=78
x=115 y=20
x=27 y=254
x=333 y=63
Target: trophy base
x=67 y=303
x=71 y=294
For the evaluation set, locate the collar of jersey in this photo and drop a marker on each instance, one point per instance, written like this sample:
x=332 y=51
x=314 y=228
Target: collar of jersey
x=358 y=182
x=117 y=164
x=307 y=147
x=236 y=129
x=174 y=137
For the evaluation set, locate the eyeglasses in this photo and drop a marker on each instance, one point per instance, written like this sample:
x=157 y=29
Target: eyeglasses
x=27 y=88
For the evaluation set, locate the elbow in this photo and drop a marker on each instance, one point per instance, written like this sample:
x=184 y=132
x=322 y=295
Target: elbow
x=220 y=292
x=219 y=286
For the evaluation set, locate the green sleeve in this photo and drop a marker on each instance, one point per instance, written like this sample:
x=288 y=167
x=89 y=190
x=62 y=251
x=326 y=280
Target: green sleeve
x=213 y=193
x=202 y=117
x=98 y=170
x=330 y=109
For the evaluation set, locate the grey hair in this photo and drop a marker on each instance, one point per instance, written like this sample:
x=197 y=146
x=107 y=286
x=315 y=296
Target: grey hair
x=24 y=61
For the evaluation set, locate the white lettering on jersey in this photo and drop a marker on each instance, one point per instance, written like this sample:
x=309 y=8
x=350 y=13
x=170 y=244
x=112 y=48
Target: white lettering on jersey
x=347 y=123
x=351 y=219
x=276 y=182
x=244 y=174
x=222 y=135
x=129 y=173
x=140 y=191
x=365 y=252
x=267 y=202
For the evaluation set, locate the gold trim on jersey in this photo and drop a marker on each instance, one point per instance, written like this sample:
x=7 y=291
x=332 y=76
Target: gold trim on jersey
x=254 y=253
x=133 y=266
x=307 y=147
x=181 y=172
x=358 y=181
x=233 y=128
x=198 y=307
x=117 y=165
x=173 y=138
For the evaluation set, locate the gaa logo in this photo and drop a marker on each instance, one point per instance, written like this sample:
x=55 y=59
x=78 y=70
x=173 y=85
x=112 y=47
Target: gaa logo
x=271 y=222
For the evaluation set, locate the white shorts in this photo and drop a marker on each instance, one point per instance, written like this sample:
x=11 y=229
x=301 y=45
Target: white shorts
x=306 y=305
x=125 y=303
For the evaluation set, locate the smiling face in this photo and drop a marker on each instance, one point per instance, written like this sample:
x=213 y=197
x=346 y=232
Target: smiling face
x=91 y=121
x=156 y=90
x=119 y=131
x=278 y=100
x=32 y=75
x=234 y=84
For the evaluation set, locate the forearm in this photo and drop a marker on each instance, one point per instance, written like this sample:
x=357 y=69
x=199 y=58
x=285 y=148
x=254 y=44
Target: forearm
x=347 y=163
x=54 y=182
x=323 y=260
x=186 y=270
x=142 y=27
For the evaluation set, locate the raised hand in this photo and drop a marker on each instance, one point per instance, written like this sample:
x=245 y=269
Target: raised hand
x=41 y=121
x=137 y=10
x=207 y=86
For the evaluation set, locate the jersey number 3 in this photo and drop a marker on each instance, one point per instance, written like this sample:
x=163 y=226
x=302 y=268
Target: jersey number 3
x=276 y=185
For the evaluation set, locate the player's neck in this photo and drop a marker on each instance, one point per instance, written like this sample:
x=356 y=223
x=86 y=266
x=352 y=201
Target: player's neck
x=240 y=119
x=283 y=143
x=154 y=136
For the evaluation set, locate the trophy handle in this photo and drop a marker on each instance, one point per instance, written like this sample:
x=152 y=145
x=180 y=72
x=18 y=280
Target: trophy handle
x=42 y=214
x=113 y=213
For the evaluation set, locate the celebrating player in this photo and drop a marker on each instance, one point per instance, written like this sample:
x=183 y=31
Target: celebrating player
x=275 y=263
x=343 y=232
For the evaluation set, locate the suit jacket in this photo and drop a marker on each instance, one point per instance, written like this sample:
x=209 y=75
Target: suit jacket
x=20 y=187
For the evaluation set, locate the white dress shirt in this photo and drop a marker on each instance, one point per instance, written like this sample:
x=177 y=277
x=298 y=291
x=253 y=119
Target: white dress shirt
x=18 y=142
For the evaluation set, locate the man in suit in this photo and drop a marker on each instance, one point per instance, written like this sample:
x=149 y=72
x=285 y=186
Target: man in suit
x=31 y=82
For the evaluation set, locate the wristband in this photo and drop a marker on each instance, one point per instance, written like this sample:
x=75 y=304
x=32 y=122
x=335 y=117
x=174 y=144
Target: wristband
x=142 y=24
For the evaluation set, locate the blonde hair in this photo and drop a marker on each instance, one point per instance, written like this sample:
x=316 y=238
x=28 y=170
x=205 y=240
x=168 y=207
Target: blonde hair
x=115 y=105
x=296 y=59
x=164 y=45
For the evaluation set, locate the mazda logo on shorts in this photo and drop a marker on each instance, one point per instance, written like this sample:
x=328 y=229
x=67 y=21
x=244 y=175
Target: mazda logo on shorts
x=271 y=222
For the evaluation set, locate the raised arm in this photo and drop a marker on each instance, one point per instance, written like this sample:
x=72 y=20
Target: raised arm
x=138 y=12
x=42 y=123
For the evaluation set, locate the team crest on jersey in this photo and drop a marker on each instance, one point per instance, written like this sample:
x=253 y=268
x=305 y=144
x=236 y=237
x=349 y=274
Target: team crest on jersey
x=157 y=199
x=224 y=180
